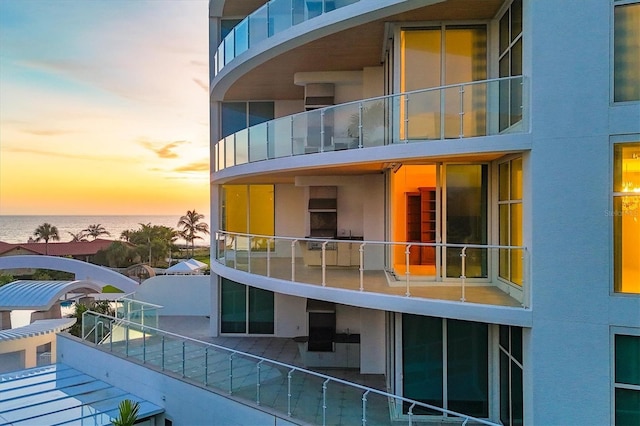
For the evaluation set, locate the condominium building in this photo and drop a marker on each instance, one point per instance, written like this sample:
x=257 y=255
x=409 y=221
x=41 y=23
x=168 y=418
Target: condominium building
x=442 y=192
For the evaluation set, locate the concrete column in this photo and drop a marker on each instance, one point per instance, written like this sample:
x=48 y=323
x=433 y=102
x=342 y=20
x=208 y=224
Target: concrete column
x=5 y=320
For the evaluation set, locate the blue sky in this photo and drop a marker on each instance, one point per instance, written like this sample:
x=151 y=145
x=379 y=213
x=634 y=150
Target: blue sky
x=103 y=106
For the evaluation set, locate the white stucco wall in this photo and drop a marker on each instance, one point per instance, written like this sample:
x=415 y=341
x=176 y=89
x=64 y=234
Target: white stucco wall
x=178 y=294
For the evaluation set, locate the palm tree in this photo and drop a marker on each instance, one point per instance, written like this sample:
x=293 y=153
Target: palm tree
x=127 y=413
x=191 y=226
x=126 y=235
x=95 y=231
x=46 y=232
x=77 y=237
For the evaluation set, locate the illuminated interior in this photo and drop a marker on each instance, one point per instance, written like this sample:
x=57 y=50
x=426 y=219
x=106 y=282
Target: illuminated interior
x=248 y=209
x=626 y=212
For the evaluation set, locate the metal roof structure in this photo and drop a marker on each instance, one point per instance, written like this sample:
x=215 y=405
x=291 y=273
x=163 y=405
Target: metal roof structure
x=59 y=394
x=41 y=295
x=37 y=328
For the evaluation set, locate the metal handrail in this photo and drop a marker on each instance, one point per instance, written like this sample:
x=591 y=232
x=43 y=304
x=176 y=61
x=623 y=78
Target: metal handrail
x=258 y=359
x=463 y=279
x=385 y=101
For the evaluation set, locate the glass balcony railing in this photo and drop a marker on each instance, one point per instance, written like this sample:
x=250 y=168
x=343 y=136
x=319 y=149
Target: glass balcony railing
x=294 y=393
x=480 y=108
x=465 y=273
x=272 y=18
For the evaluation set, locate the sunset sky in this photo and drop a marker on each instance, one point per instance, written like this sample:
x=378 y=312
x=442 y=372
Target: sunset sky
x=103 y=107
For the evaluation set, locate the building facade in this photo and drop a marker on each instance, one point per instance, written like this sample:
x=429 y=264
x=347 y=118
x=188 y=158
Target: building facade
x=455 y=182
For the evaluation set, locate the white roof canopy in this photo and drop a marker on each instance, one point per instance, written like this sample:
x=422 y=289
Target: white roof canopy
x=41 y=295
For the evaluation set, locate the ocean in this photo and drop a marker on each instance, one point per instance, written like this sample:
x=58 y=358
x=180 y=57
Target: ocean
x=18 y=229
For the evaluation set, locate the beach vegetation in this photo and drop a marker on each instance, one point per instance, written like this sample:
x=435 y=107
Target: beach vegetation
x=99 y=306
x=190 y=226
x=118 y=255
x=78 y=237
x=52 y=275
x=127 y=413
x=95 y=231
x=6 y=279
x=154 y=243
x=46 y=232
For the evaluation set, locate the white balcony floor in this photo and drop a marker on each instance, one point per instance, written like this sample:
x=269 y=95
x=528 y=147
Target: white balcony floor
x=378 y=282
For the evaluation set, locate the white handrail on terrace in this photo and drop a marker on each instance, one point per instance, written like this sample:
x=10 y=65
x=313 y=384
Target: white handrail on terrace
x=229 y=258
x=258 y=361
x=472 y=109
x=270 y=19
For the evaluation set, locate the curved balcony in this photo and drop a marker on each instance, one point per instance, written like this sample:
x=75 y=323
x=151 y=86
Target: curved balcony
x=479 y=108
x=272 y=18
x=464 y=273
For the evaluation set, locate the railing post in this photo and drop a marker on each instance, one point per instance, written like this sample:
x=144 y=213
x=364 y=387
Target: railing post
x=162 y=355
x=249 y=254
x=525 y=279
x=206 y=366
x=144 y=345
x=269 y=255
x=230 y=373
x=235 y=251
x=360 y=127
x=324 y=402
x=293 y=260
x=461 y=113
x=126 y=341
x=322 y=123
x=289 y=391
x=184 y=360
x=463 y=277
x=410 y=413
x=292 y=152
x=361 y=250
x=406 y=118
x=324 y=263
x=407 y=272
x=111 y=337
x=364 y=408
x=258 y=381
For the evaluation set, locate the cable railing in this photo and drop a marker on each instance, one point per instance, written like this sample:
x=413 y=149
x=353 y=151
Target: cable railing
x=467 y=273
x=297 y=393
x=270 y=19
x=479 y=108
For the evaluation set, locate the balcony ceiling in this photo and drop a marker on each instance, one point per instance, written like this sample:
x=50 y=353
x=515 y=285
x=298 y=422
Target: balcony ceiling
x=352 y=169
x=347 y=50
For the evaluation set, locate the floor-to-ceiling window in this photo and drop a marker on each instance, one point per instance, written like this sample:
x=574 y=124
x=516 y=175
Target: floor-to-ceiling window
x=437 y=56
x=445 y=363
x=510 y=65
x=626 y=51
x=626 y=380
x=510 y=219
x=511 y=388
x=245 y=309
x=626 y=217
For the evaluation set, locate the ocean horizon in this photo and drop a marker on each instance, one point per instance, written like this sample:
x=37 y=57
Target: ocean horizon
x=18 y=229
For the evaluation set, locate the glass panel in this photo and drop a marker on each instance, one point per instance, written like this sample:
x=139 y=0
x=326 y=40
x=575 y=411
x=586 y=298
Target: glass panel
x=298 y=7
x=516 y=58
x=258 y=26
x=280 y=136
x=423 y=113
x=230 y=153
x=373 y=122
x=420 y=59
x=236 y=204
x=299 y=133
x=242 y=36
x=516 y=19
x=516 y=343
x=465 y=54
x=314 y=132
x=279 y=16
x=505 y=97
x=233 y=307
x=626 y=54
x=260 y=311
x=422 y=360
x=516 y=179
x=220 y=56
x=504 y=176
x=233 y=117
x=504 y=32
x=241 y=147
x=226 y=26
x=261 y=214
x=260 y=112
x=258 y=142
x=504 y=337
x=467 y=368
x=627 y=349
x=517 y=395
x=505 y=405
x=626 y=210
x=516 y=240
x=346 y=126
x=504 y=240
x=627 y=407
x=313 y=8
x=466 y=188
x=229 y=49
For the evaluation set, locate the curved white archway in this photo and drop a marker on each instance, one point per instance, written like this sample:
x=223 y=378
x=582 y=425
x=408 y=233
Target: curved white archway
x=82 y=270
